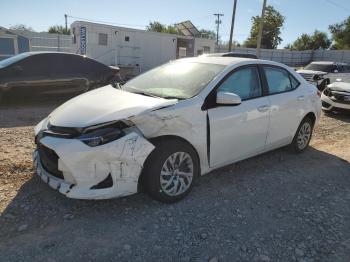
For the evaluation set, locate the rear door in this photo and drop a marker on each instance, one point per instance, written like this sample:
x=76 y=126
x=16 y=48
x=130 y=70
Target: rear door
x=286 y=101
x=239 y=131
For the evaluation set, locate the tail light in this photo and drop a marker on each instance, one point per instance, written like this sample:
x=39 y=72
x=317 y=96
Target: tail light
x=319 y=93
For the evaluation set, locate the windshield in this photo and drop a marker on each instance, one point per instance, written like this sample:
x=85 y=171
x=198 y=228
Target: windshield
x=13 y=59
x=177 y=79
x=320 y=67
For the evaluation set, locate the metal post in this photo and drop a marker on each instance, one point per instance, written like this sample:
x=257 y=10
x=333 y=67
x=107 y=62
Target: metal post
x=232 y=25
x=218 y=22
x=260 y=29
x=58 y=43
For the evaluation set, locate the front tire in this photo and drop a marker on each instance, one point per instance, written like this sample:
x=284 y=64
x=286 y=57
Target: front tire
x=303 y=136
x=170 y=171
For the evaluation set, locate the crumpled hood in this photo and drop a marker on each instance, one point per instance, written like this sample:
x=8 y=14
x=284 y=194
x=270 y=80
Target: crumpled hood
x=340 y=86
x=311 y=72
x=103 y=105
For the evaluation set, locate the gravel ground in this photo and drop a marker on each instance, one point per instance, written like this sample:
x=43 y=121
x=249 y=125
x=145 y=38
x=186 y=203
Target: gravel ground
x=275 y=207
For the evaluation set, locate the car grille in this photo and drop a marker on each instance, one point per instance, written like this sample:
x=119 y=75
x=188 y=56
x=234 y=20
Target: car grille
x=49 y=161
x=340 y=98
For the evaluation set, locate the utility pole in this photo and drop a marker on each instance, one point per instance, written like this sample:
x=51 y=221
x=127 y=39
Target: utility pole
x=260 y=29
x=65 y=18
x=232 y=25
x=218 y=22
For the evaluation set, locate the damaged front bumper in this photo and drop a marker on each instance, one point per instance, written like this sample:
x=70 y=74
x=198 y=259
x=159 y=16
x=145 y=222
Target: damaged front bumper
x=102 y=172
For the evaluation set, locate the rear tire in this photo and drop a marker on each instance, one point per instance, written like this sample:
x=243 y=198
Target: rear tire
x=170 y=171
x=302 y=136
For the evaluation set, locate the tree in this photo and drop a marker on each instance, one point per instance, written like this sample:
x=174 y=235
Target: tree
x=273 y=22
x=303 y=42
x=58 y=29
x=341 y=34
x=158 y=27
x=209 y=34
x=318 y=40
x=21 y=27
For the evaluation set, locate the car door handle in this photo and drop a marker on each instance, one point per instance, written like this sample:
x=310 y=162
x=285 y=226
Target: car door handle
x=263 y=108
x=300 y=98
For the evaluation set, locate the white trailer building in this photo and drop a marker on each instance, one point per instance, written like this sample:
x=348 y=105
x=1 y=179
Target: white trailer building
x=133 y=49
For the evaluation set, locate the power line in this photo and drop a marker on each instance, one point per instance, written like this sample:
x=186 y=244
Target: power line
x=337 y=5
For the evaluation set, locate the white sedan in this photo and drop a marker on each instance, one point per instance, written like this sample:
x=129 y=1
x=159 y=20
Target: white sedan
x=165 y=128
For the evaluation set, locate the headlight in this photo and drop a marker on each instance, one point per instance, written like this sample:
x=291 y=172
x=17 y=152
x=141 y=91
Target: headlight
x=101 y=136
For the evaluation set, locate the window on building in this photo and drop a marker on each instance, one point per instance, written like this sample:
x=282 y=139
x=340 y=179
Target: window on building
x=102 y=39
x=127 y=39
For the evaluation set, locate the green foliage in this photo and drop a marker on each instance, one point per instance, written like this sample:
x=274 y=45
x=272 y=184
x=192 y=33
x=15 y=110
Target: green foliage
x=158 y=27
x=341 y=34
x=58 y=29
x=273 y=22
x=318 y=40
x=21 y=27
x=209 y=34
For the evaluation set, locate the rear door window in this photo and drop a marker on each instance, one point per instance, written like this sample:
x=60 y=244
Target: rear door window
x=279 y=80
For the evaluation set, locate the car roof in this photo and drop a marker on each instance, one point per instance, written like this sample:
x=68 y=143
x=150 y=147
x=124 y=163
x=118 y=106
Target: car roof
x=48 y=52
x=327 y=63
x=226 y=61
x=231 y=54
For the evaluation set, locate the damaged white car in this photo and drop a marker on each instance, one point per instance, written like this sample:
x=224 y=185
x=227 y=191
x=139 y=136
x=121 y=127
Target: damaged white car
x=165 y=128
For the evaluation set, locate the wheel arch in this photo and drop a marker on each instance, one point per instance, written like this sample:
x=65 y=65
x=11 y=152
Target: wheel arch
x=310 y=115
x=163 y=139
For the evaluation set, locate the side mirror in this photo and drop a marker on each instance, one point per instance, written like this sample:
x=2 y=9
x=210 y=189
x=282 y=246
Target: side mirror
x=227 y=98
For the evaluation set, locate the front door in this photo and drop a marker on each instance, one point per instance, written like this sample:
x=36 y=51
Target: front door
x=240 y=131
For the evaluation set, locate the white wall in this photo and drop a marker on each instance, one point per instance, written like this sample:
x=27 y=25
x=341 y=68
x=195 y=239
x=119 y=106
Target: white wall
x=200 y=43
x=146 y=49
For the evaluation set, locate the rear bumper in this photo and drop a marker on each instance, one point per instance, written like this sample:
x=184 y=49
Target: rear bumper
x=328 y=104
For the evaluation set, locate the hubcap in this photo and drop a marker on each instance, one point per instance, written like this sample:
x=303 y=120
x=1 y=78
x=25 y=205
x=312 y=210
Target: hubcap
x=304 y=135
x=176 y=174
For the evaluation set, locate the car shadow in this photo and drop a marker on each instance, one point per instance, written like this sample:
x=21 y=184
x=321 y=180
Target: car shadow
x=254 y=188
x=340 y=115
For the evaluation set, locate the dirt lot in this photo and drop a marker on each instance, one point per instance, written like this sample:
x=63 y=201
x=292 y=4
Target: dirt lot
x=275 y=207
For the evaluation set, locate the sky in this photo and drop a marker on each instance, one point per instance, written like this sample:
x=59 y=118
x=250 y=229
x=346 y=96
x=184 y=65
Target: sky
x=302 y=16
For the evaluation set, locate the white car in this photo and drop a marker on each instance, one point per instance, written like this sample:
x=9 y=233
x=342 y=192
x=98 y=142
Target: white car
x=336 y=96
x=170 y=125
